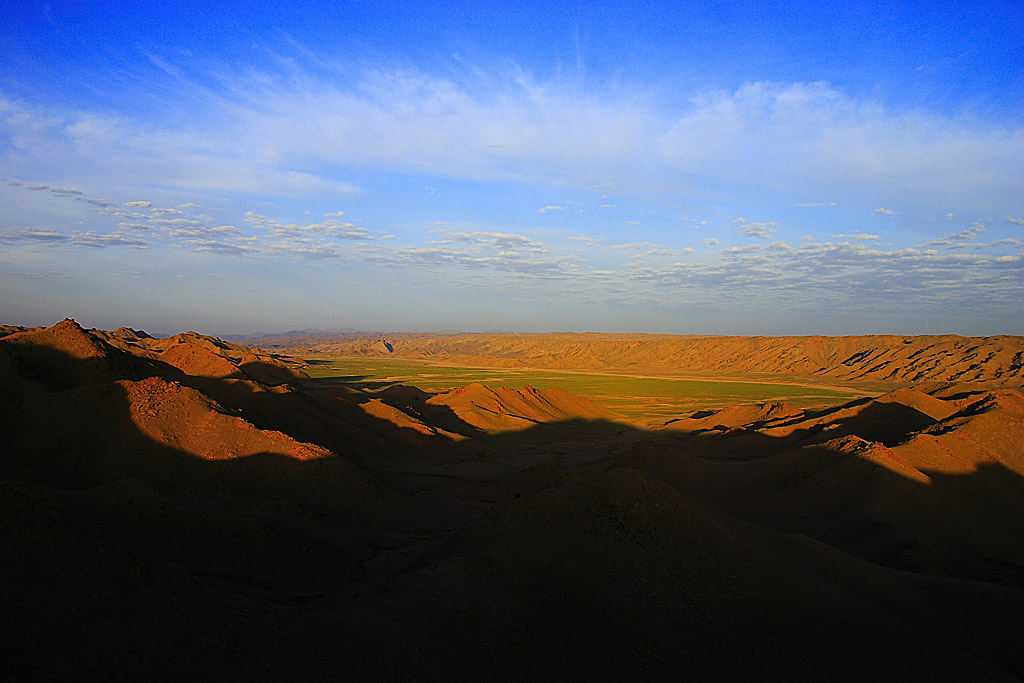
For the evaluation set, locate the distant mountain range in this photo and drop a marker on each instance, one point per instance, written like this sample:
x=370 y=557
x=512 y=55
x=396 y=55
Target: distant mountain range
x=911 y=359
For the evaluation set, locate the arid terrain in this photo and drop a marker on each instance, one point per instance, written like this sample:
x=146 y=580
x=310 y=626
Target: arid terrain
x=916 y=359
x=304 y=507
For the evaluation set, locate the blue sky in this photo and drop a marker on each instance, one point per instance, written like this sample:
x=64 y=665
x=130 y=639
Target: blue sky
x=730 y=168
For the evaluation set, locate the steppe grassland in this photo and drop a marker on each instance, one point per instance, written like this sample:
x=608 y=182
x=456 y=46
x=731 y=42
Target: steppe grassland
x=641 y=398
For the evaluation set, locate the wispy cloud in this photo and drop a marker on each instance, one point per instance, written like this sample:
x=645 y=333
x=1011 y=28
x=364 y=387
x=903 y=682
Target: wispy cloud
x=295 y=129
x=211 y=246
x=495 y=240
x=627 y=274
x=271 y=133
x=331 y=228
x=483 y=256
x=86 y=239
x=823 y=272
x=69 y=193
x=858 y=236
x=760 y=230
x=961 y=237
x=136 y=224
x=969 y=233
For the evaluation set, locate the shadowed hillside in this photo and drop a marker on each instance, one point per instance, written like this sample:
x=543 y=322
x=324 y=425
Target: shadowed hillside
x=189 y=507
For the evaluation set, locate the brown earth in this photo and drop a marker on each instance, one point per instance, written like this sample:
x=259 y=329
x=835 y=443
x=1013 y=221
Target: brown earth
x=189 y=507
x=502 y=409
x=910 y=359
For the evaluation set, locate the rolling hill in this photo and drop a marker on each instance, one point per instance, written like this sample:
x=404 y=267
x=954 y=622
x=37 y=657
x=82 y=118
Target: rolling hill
x=912 y=359
x=191 y=507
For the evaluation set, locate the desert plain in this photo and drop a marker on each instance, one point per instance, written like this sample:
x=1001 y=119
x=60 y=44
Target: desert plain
x=510 y=506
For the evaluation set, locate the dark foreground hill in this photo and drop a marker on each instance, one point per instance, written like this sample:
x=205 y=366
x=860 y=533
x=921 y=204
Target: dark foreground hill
x=192 y=508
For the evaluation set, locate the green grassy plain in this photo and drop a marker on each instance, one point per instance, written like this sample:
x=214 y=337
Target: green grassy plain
x=643 y=398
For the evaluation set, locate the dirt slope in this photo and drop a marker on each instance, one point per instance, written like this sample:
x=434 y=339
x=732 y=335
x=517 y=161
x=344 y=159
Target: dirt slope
x=505 y=409
x=152 y=508
x=205 y=356
x=911 y=359
x=905 y=480
x=65 y=355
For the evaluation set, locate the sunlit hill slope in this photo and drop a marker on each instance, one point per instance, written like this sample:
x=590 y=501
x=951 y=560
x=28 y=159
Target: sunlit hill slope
x=876 y=357
x=189 y=507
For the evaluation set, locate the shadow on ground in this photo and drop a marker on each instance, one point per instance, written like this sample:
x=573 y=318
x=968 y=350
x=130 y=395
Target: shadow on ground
x=570 y=550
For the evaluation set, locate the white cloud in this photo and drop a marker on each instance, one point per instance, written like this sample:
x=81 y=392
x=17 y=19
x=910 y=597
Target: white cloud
x=761 y=230
x=140 y=224
x=272 y=133
x=743 y=250
x=962 y=236
x=483 y=239
x=273 y=136
x=483 y=255
x=969 y=233
x=209 y=246
x=830 y=270
x=330 y=228
x=86 y=239
x=33 y=235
